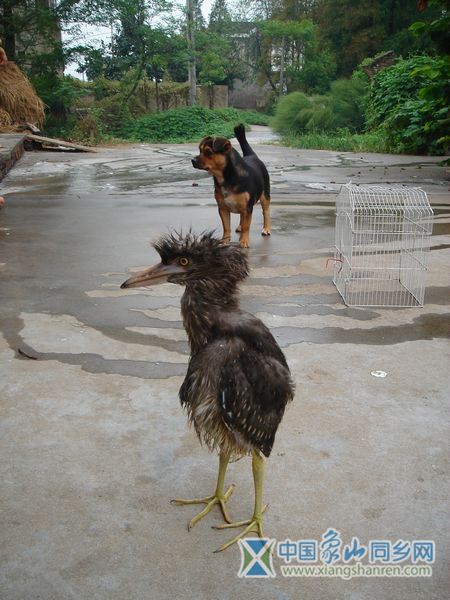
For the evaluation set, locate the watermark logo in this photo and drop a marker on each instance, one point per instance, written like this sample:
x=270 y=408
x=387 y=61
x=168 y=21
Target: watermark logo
x=256 y=557
x=333 y=556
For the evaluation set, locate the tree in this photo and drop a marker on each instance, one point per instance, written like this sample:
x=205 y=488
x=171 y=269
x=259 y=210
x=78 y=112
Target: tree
x=284 y=44
x=265 y=9
x=219 y=18
x=217 y=60
x=317 y=72
x=29 y=29
x=91 y=60
x=295 y=10
x=190 y=36
x=199 y=19
x=355 y=29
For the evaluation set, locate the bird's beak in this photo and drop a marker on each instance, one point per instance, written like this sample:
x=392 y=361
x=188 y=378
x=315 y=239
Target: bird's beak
x=153 y=276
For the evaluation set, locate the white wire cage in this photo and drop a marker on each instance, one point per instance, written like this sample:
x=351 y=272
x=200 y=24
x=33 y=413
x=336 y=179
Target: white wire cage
x=383 y=237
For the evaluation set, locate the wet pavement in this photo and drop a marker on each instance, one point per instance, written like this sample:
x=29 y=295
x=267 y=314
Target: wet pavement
x=94 y=442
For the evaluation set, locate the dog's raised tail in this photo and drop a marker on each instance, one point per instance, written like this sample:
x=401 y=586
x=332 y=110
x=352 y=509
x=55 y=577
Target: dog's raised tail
x=239 y=132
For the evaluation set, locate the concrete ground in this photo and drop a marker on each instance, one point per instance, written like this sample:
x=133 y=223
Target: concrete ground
x=94 y=443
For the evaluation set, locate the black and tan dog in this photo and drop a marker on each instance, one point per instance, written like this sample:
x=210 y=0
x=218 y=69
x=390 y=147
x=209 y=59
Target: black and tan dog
x=239 y=182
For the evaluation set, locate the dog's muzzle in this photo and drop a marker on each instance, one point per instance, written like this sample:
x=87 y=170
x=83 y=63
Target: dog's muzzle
x=196 y=163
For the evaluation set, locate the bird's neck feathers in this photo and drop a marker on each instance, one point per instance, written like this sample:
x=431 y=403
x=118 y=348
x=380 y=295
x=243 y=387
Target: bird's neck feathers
x=202 y=304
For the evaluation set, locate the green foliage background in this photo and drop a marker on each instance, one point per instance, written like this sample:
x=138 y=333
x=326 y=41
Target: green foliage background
x=342 y=108
x=307 y=52
x=187 y=124
x=409 y=103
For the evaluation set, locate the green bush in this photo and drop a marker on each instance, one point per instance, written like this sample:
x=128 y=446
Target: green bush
x=318 y=116
x=58 y=93
x=253 y=117
x=180 y=125
x=392 y=87
x=88 y=129
x=113 y=113
x=409 y=102
x=348 y=99
x=343 y=107
x=60 y=127
x=287 y=117
x=104 y=88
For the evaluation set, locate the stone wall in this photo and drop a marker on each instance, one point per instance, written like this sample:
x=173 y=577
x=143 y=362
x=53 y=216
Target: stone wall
x=249 y=96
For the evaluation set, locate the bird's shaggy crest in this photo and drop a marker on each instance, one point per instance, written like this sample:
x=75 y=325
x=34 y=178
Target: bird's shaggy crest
x=203 y=247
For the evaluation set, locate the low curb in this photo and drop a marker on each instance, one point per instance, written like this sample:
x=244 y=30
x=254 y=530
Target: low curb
x=11 y=149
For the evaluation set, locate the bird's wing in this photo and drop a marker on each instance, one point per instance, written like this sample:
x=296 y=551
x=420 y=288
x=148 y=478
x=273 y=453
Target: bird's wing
x=253 y=390
x=253 y=332
x=245 y=374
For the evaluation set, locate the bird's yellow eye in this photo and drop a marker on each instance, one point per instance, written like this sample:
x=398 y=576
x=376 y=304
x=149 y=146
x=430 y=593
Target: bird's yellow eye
x=183 y=262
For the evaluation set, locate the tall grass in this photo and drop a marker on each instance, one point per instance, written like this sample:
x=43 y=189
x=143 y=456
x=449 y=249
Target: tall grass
x=339 y=141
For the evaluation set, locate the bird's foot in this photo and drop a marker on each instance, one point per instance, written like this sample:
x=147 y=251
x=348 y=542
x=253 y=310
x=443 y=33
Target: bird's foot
x=253 y=525
x=210 y=502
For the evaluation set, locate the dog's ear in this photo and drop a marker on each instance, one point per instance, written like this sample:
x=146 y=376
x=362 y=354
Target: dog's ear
x=207 y=141
x=221 y=145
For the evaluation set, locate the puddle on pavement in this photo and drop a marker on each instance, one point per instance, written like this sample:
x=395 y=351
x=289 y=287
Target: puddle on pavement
x=58 y=179
x=137 y=179
x=425 y=327
x=298 y=168
x=287 y=221
x=56 y=184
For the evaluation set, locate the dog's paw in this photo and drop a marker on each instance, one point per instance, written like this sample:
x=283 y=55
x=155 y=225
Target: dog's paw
x=265 y=232
x=238 y=229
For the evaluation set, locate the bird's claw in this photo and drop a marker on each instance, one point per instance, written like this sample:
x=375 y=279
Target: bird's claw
x=210 y=502
x=252 y=525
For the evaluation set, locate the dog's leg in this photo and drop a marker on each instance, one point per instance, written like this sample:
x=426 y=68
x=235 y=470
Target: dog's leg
x=226 y=224
x=265 y=203
x=244 y=238
x=239 y=227
x=224 y=212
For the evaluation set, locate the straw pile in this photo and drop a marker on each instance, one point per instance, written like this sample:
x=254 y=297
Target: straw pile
x=19 y=102
x=5 y=118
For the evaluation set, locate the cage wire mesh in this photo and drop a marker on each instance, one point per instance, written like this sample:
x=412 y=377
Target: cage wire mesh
x=383 y=237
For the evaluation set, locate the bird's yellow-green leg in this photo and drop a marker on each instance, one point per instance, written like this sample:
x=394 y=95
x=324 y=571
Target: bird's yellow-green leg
x=255 y=523
x=219 y=497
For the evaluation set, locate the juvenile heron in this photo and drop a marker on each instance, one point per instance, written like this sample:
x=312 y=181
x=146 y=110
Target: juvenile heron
x=238 y=382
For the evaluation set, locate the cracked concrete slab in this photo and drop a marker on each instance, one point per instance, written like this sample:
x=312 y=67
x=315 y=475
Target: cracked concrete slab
x=93 y=441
